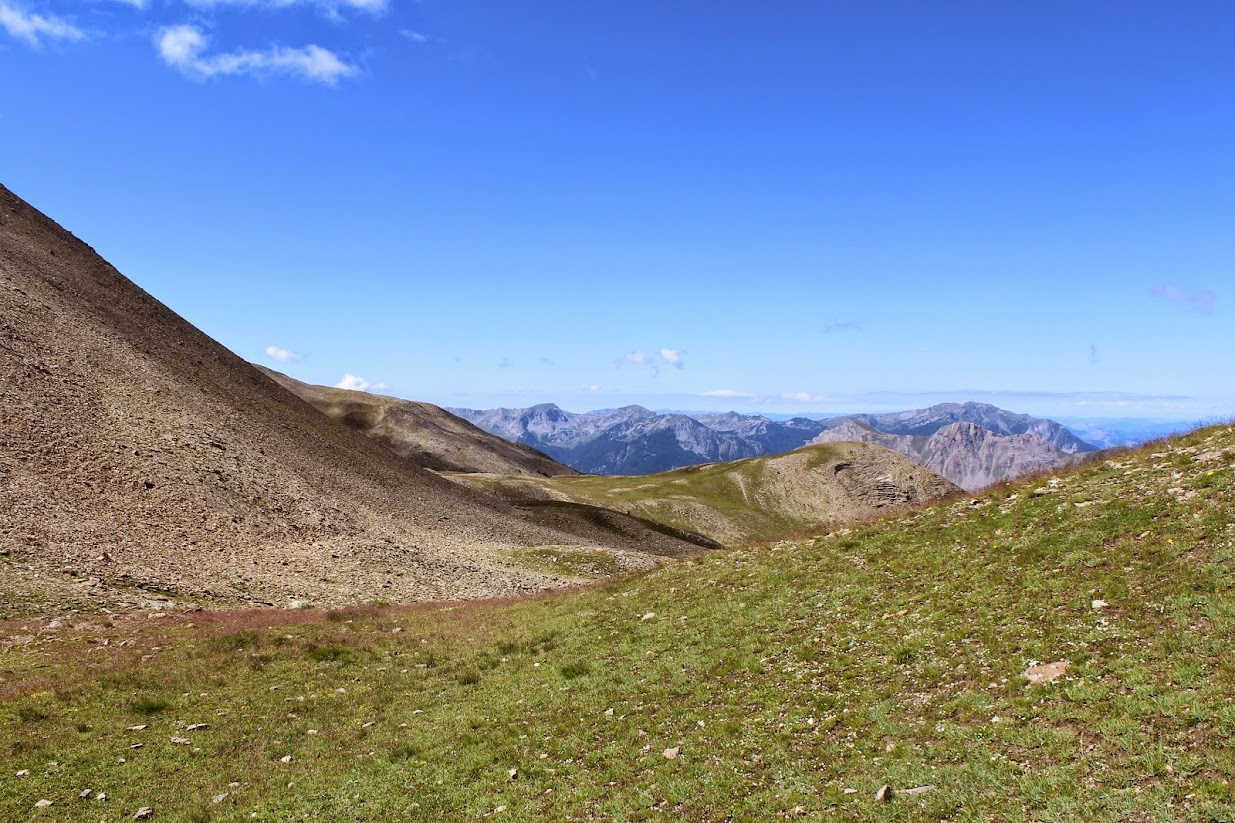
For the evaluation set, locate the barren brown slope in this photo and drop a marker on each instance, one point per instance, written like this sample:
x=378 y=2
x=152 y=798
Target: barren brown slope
x=743 y=501
x=428 y=435
x=136 y=451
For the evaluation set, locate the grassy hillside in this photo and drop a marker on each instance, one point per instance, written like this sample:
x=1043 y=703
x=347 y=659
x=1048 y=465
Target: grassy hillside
x=787 y=682
x=743 y=501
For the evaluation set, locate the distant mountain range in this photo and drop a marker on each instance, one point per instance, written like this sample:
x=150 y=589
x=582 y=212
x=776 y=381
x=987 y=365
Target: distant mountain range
x=971 y=444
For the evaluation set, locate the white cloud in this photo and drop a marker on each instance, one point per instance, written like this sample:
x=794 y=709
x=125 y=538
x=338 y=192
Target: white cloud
x=354 y=383
x=31 y=27
x=634 y=358
x=664 y=357
x=182 y=47
x=281 y=354
x=414 y=36
x=140 y=5
x=728 y=393
x=804 y=397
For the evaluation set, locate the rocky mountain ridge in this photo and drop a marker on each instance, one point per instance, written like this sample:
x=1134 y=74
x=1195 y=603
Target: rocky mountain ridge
x=969 y=455
x=633 y=440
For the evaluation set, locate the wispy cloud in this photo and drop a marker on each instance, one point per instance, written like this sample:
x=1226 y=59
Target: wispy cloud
x=665 y=357
x=506 y=363
x=804 y=397
x=281 y=354
x=730 y=393
x=1202 y=301
x=140 y=5
x=354 y=383
x=842 y=325
x=34 y=28
x=183 y=47
x=634 y=358
x=673 y=357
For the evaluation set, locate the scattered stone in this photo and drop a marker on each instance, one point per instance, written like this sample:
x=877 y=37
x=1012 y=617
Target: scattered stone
x=300 y=604
x=287 y=758
x=917 y=790
x=182 y=741
x=1098 y=604
x=648 y=616
x=368 y=724
x=84 y=794
x=311 y=732
x=43 y=804
x=137 y=745
x=850 y=791
x=672 y=754
x=1045 y=672
x=219 y=798
x=197 y=727
x=24 y=773
x=101 y=796
x=513 y=774
x=140 y=728
x=608 y=712
x=144 y=813
x=884 y=795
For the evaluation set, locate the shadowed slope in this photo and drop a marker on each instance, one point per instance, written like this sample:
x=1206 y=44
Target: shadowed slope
x=425 y=434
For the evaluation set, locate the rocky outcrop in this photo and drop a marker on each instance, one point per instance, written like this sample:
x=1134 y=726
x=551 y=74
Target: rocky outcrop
x=965 y=453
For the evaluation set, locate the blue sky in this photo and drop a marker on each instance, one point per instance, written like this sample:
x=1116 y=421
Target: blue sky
x=797 y=206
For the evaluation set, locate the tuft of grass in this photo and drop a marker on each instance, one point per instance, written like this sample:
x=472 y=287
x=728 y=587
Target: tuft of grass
x=149 y=705
x=30 y=714
x=576 y=668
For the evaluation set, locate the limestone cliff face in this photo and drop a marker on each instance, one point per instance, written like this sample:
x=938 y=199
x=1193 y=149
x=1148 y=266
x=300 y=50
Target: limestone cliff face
x=965 y=453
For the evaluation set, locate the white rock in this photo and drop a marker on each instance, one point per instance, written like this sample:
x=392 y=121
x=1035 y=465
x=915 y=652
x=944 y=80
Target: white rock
x=42 y=804
x=672 y=754
x=648 y=616
x=287 y=758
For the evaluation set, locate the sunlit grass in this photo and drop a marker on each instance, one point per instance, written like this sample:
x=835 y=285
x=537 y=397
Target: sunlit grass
x=793 y=681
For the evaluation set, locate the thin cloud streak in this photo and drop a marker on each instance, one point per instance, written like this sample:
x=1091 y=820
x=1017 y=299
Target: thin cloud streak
x=33 y=28
x=182 y=47
x=1202 y=301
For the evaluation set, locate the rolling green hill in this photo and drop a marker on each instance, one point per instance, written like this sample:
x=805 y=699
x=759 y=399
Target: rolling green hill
x=789 y=682
x=759 y=498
